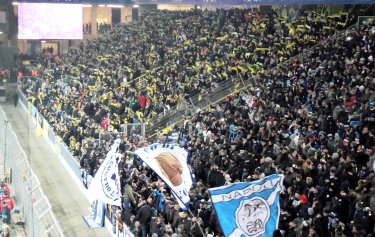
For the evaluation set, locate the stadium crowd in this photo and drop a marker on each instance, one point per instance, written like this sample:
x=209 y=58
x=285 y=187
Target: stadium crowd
x=311 y=119
x=315 y=125
x=141 y=70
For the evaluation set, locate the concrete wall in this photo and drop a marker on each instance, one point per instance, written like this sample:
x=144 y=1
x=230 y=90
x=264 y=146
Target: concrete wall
x=7 y=56
x=86 y=15
x=22 y=46
x=126 y=14
x=104 y=15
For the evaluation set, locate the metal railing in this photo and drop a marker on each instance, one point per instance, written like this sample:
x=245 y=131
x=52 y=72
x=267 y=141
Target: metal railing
x=199 y=102
x=44 y=129
x=143 y=81
x=34 y=205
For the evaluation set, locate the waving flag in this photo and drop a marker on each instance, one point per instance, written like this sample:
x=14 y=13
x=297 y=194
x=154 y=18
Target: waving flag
x=248 y=209
x=106 y=184
x=172 y=137
x=96 y=220
x=169 y=162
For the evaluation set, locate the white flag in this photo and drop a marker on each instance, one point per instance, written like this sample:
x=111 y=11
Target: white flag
x=170 y=163
x=106 y=184
x=96 y=220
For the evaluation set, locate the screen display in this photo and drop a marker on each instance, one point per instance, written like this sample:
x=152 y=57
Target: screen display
x=49 y=21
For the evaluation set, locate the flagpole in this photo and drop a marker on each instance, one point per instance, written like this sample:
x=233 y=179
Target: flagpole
x=191 y=213
x=200 y=228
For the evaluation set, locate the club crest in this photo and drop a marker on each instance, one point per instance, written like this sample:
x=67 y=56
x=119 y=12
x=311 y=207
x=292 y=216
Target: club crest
x=109 y=181
x=252 y=216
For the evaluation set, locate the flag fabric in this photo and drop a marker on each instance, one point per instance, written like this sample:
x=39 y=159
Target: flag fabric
x=105 y=185
x=172 y=137
x=169 y=162
x=248 y=209
x=96 y=220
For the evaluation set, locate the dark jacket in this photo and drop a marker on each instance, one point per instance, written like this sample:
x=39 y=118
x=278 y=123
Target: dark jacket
x=145 y=214
x=158 y=228
x=195 y=231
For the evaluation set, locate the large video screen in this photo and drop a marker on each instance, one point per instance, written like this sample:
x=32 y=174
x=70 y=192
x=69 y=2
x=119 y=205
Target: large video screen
x=49 y=21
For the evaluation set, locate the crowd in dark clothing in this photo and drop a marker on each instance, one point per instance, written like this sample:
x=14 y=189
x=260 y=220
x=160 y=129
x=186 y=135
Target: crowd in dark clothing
x=315 y=125
x=311 y=119
x=86 y=28
x=103 y=27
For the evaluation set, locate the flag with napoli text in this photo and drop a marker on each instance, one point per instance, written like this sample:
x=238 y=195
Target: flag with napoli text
x=248 y=209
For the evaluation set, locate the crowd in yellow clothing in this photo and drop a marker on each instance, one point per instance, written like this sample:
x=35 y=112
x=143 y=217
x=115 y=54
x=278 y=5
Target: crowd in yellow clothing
x=144 y=69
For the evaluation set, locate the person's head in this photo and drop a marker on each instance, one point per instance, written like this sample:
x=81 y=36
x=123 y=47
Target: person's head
x=294 y=224
x=332 y=171
x=312 y=231
x=137 y=224
x=298 y=177
x=160 y=219
x=309 y=180
x=149 y=201
x=203 y=204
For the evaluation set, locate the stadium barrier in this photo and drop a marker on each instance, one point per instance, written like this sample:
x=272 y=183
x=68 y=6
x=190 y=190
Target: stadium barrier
x=33 y=204
x=43 y=129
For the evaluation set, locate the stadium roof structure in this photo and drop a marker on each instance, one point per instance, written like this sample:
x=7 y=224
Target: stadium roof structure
x=203 y=2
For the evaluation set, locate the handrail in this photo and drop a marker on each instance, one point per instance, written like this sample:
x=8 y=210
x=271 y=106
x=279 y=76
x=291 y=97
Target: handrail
x=35 y=206
x=227 y=88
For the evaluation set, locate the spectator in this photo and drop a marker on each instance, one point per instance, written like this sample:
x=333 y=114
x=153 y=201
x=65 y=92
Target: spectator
x=157 y=226
x=136 y=230
x=310 y=118
x=6 y=214
x=144 y=216
x=15 y=99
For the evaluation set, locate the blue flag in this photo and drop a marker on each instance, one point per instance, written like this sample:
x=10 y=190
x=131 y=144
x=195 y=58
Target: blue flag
x=248 y=209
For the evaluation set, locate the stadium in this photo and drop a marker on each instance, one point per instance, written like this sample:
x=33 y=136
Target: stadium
x=187 y=118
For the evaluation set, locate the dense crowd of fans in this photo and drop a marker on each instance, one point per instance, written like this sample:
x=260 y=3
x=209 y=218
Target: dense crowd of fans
x=311 y=119
x=178 y=55
x=315 y=125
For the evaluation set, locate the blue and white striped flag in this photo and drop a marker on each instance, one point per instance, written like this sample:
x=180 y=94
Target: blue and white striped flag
x=96 y=220
x=248 y=209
